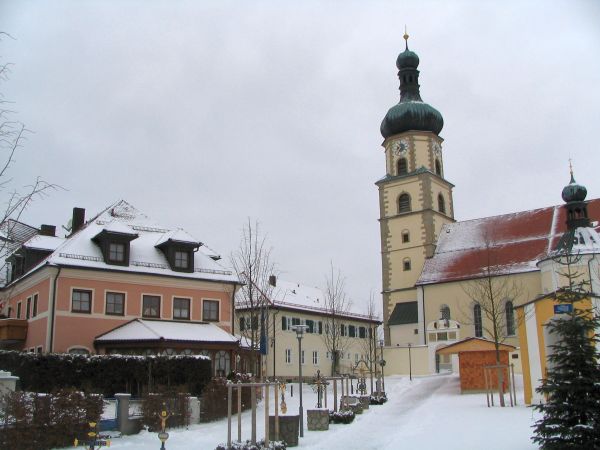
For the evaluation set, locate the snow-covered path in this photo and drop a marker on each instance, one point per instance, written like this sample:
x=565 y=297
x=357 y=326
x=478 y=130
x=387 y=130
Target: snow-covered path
x=427 y=413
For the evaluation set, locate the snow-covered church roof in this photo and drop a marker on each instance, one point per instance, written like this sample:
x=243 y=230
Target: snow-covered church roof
x=510 y=243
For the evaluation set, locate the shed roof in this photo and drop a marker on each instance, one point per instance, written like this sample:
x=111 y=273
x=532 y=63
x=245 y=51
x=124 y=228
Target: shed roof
x=473 y=344
x=404 y=313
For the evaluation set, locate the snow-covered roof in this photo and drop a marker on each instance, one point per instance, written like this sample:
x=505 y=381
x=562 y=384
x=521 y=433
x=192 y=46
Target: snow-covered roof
x=163 y=330
x=509 y=243
x=80 y=250
x=296 y=296
x=177 y=235
x=41 y=242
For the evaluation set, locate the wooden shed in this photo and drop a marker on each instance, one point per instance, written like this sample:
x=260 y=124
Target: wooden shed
x=473 y=355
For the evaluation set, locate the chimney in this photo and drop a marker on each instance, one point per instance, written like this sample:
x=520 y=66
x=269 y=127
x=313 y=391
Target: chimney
x=78 y=219
x=273 y=280
x=48 y=230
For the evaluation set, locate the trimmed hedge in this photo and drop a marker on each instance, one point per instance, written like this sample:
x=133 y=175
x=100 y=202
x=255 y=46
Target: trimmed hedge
x=107 y=374
x=44 y=421
x=176 y=403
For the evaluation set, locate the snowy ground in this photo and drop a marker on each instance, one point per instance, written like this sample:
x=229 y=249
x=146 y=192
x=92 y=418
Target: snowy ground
x=427 y=413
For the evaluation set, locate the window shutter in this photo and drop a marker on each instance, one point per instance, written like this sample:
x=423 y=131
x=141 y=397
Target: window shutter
x=242 y=323
x=283 y=323
x=320 y=327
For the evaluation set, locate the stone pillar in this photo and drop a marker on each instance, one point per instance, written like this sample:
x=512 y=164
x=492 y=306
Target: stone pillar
x=123 y=422
x=194 y=407
x=8 y=382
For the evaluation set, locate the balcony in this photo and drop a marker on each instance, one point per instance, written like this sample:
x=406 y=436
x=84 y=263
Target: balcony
x=12 y=331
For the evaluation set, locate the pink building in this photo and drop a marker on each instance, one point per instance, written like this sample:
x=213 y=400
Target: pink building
x=118 y=283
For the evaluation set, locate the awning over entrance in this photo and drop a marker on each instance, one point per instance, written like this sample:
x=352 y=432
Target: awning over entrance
x=473 y=344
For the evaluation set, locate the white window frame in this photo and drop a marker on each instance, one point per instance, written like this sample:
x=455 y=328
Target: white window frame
x=288 y=356
x=315 y=357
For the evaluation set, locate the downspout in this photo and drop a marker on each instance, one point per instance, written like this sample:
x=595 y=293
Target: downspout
x=590 y=271
x=424 y=319
x=53 y=311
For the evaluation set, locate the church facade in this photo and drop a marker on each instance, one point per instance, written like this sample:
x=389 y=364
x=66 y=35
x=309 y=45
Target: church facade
x=439 y=275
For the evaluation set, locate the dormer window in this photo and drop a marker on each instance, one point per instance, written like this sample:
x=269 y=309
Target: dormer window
x=116 y=252
x=182 y=259
x=179 y=247
x=114 y=242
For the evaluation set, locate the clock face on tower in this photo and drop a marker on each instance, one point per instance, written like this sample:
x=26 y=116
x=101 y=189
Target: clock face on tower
x=400 y=148
x=437 y=148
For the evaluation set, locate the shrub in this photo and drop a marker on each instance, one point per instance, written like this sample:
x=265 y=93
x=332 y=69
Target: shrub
x=377 y=399
x=177 y=404
x=43 y=421
x=346 y=416
x=214 y=397
x=260 y=445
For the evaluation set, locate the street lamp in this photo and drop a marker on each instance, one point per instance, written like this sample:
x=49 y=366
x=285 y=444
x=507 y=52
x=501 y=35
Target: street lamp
x=409 y=362
x=382 y=363
x=299 y=329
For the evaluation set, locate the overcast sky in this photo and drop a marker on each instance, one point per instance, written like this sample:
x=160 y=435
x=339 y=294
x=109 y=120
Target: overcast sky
x=205 y=113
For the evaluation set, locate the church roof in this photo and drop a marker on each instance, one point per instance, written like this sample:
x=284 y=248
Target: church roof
x=510 y=243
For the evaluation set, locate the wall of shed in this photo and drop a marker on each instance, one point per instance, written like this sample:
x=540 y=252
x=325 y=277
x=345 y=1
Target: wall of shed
x=472 y=364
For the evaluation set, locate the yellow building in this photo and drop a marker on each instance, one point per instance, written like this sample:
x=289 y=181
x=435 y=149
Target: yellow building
x=432 y=265
x=289 y=304
x=574 y=261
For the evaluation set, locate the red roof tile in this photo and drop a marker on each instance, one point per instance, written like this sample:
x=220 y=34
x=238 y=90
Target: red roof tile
x=510 y=243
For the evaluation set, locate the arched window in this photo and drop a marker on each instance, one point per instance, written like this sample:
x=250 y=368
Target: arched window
x=405 y=236
x=510 y=318
x=402 y=166
x=438 y=167
x=445 y=312
x=222 y=363
x=406 y=264
x=477 y=320
x=404 y=203
x=441 y=204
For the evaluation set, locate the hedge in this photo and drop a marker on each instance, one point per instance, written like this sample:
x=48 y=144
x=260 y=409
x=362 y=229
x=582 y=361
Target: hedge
x=43 y=421
x=107 y=374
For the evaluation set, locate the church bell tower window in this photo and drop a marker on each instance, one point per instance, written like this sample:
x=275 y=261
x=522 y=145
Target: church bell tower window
x=404 y=203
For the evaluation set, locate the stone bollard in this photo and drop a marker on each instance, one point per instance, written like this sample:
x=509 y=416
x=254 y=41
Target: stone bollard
x=317 y=419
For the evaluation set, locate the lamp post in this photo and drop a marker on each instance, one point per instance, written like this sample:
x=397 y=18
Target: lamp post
x=382 y=362
x=299 y=329
x=409 y=362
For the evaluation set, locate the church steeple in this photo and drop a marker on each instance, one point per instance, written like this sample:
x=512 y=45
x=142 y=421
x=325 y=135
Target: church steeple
x=574 y=196
x=411 y=113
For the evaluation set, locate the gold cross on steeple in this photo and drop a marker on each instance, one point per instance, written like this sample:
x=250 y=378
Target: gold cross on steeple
x=406 y=37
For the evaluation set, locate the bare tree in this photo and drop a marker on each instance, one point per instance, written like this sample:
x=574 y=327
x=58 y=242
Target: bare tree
x=336 y=304
x=493 y=294
x=15 y=200
x=252 y=263
x=369 y=345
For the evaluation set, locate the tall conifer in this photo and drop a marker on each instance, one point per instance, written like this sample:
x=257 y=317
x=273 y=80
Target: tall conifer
x=571 y=413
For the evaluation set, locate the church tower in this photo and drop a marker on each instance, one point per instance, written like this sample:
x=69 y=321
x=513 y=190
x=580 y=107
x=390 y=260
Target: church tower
x=415 y=199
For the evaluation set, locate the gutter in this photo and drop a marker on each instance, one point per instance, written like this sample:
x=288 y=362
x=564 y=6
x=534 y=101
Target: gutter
x=53 y=310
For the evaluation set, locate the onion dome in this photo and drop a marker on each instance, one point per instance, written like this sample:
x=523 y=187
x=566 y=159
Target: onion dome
x=407 y=58
x=574 y=192
x=411 y=113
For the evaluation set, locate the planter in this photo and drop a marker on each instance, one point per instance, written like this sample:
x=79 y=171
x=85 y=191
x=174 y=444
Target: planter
x=289 y=427
x=364 y=401
x=317 y=419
